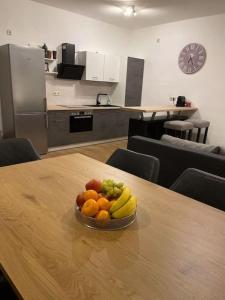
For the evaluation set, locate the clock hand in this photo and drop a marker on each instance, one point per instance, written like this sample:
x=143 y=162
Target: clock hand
x=190 y=59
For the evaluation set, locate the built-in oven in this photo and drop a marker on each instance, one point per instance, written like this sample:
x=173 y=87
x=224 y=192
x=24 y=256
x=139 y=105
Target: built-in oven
x=81 y=121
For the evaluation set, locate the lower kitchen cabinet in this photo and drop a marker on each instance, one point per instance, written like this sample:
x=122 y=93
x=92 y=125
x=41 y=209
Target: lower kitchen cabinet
x=107 y=124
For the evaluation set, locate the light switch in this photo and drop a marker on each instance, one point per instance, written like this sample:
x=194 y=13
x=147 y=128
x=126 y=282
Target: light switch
x=56 y=93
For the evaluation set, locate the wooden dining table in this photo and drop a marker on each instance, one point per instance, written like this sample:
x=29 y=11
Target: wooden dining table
x=174 y=250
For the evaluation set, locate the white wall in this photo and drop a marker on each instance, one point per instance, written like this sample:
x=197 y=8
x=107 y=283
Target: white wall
x=36 y=23
x=163 y=78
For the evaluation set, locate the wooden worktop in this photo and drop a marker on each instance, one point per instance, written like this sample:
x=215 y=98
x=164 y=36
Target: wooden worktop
x=155 y=109
x=175 y=249
x=141 y=109
x=78 y=108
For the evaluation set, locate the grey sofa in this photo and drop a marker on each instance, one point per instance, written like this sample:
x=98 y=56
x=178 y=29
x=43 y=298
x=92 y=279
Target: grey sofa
x=174 y=159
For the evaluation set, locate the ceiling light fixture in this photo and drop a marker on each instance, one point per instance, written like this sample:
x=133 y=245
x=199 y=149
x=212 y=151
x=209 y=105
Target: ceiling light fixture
x=130 y=11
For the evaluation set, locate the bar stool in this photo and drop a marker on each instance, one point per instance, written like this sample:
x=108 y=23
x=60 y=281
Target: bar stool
x=180 y=127
x=199 y=124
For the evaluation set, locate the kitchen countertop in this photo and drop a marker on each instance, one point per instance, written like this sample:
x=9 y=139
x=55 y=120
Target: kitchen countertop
x=78 y=107
x=161 y=108
x=141 y=109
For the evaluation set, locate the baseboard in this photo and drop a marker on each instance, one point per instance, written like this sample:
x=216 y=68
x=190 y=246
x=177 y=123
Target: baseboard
x=66 y=147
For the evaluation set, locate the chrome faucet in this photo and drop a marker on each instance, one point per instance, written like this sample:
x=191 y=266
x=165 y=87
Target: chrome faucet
x=98 y=102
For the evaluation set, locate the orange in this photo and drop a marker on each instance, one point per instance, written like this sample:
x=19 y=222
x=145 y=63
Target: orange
x=90 y=194
x=103 y=203
x=90 y=208
x=103 y=215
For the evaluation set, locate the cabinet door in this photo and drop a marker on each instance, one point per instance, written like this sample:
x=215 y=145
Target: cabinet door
x=94 y=66
x=111 y=68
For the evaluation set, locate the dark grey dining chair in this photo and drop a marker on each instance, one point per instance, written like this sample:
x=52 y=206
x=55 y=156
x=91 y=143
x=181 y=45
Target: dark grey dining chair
x=201 y=186
x=141 y=165
x=6 y=291
x=16 y=151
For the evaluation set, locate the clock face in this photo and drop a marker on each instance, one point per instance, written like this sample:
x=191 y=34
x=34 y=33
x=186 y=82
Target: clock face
x=192 y=58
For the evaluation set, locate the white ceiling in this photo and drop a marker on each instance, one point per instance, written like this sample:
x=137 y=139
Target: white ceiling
x=149 y=12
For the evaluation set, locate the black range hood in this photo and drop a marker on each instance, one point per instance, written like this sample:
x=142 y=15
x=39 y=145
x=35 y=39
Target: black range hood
x=67 y=68
x=68 y=71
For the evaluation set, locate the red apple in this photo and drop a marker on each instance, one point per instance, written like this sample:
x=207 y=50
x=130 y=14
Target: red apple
x=94 y=184
x=80 y=199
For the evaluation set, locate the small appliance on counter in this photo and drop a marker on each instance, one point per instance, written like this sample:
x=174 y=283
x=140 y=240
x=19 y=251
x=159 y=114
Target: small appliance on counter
x=181 y=101
x=103 y=99
x=67 y=68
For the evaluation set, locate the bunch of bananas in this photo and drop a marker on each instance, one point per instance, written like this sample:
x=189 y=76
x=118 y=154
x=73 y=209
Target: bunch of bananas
x=124 y=206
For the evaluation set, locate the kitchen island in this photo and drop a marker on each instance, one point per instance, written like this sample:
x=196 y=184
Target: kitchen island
x=152 y=126
x=159 y=109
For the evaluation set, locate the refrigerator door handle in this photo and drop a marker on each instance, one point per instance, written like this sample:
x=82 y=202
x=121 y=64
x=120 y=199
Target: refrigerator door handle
x=45 y=104
x=46 y=121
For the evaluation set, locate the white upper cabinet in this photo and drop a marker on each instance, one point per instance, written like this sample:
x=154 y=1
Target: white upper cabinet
x=94 y=65
x=99 y=67
x=111 y=68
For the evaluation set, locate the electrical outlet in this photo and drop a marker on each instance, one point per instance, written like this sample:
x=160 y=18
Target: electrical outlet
x=56 y=93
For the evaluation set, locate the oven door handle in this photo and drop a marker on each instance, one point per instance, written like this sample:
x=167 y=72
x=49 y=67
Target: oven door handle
x=82 y=117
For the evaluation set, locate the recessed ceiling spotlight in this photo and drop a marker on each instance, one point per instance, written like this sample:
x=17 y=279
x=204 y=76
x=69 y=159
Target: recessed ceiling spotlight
x=130 y=11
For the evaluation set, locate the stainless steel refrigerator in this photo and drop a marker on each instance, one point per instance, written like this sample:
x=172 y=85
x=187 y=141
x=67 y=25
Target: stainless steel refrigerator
x=23 y=95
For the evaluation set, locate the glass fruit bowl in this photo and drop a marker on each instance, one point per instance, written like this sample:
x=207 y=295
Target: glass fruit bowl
x=109 y=224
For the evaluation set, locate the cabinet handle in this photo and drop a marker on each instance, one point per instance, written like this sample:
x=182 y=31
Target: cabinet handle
x=94 y=77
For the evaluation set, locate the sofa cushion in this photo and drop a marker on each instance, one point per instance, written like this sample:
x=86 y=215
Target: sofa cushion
x=190 y=145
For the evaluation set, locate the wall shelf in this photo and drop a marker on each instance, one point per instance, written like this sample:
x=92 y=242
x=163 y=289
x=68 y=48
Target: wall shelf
x=51 y=73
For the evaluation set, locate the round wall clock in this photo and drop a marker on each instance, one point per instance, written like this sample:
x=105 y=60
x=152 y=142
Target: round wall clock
x=192 y=58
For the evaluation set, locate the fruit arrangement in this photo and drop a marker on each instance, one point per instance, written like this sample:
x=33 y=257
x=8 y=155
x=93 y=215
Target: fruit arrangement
x=105 y=200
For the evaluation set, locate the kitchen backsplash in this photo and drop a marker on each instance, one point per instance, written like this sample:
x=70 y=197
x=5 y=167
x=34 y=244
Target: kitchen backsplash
x=75 y=92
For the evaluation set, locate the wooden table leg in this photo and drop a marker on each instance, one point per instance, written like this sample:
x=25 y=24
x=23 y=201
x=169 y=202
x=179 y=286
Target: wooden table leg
x=153 y=116
x=205 y=135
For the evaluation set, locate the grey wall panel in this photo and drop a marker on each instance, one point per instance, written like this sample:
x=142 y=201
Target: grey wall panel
x=134 y=82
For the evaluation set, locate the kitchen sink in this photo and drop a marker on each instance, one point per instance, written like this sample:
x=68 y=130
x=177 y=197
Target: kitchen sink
x=107 y=105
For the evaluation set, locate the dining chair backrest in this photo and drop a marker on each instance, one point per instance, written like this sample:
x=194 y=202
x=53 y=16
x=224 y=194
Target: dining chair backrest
x=6 y=290
x=17 y=150
x=141 y=165
x=201 y=186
